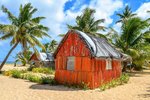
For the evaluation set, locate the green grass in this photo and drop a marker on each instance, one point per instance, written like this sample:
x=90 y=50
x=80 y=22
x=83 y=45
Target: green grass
x=119 y=81
x=43 y=70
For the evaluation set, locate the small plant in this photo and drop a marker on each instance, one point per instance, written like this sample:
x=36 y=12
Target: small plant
x=119 y=81
x=84 y=86
x=36 y=79
x=7 y=73
x=46 y=80
x=16 y=73
x=43 y=70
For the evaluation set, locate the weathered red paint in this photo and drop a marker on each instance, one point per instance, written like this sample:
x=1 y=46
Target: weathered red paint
x=88 y=69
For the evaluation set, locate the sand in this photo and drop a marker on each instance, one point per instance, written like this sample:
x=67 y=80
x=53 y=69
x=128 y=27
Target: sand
x=11 y=66
x=138 y=88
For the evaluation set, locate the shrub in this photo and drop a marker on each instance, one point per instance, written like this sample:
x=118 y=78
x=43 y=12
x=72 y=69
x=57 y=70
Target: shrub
x=124 y=78
x=36 y=79
x=7 y=73
x=46 y=80
x=16 y=73
x=43 y=70
x=84 y=86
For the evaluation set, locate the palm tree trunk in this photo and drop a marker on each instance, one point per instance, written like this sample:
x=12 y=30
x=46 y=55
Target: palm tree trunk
x=1 y=66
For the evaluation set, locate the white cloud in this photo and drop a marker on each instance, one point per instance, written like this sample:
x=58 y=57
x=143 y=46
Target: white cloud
x=106 y=8
x=142 y=10
x=56 y=18
x=117 y=27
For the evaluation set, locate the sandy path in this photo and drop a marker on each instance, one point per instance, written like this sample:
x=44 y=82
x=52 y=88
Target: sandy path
x=138 y=88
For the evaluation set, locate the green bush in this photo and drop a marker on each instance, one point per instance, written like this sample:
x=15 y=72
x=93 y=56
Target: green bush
x=43 y=70
x=16 y=73
x=7 y=73
x=119 y=81
x=36 y=79
x=32 y=77
x=46 y=80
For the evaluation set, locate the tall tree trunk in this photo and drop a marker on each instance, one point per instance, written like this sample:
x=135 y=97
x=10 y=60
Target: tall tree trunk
x=1 y=66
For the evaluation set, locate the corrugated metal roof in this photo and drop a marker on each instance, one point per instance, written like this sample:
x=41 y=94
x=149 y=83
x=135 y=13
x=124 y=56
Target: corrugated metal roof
x=99 y=46
x=45 y=57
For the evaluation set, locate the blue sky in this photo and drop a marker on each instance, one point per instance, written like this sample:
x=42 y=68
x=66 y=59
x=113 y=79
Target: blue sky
x=58 y=13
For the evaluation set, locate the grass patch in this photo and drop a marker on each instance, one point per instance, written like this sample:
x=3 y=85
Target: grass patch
x=43 y=70
x=82 y=86
x=31 y=76
x=119 y=81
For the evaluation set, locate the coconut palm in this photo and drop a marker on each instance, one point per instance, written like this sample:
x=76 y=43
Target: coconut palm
x=23 y=57
x=53 y=45
x=87 y=23
x=50 y=47
x=23 y=29
x=132 y=41
x=127 y=13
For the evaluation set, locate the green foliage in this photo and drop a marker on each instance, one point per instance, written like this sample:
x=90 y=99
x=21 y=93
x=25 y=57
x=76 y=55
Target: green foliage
x=43 y=70
x=86 y=23
x=51 y=47
x=23 y=57
x=127 y=13
x=82 y=85
x=121 y=80
x=16 y=73
x=38 y=78
x=24 y=29
x=7 y=73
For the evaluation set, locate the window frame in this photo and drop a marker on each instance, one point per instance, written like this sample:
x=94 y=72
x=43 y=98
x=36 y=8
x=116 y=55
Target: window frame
x=70 y=63
x=108 y=64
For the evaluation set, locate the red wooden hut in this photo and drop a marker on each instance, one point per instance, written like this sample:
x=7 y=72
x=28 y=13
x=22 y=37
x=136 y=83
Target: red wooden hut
x=85 y=58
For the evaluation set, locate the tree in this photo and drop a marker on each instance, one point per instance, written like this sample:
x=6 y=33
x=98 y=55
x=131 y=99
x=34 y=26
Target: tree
x=87 y=23
x=50 y=47
x=23 y=29
x=23 y=58
x=127 y=13
x=53 y=45
x=132 y=40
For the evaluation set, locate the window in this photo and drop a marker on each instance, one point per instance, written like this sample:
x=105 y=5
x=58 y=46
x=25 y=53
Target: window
x=70 y=63
x=108 y=64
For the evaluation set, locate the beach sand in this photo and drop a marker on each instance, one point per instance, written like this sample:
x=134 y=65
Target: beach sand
x=11 y=66
x=138 y=88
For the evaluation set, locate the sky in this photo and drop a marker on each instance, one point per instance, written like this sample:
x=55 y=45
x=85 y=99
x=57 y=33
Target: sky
x=58 y=13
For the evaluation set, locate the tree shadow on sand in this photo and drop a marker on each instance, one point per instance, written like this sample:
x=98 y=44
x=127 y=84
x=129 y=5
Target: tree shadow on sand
x=55 y=88
x=145 y=95
x=139 y=73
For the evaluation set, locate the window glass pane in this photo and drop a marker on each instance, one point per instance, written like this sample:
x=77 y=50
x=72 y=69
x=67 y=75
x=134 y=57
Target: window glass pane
x=70 y=63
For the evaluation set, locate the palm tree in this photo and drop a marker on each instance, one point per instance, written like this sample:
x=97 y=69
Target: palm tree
x=53 y=45
x=23 y=30
x=50 y=47
x=132 y=41
x=127 y=13
x=87 y=23
x=23 y=58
